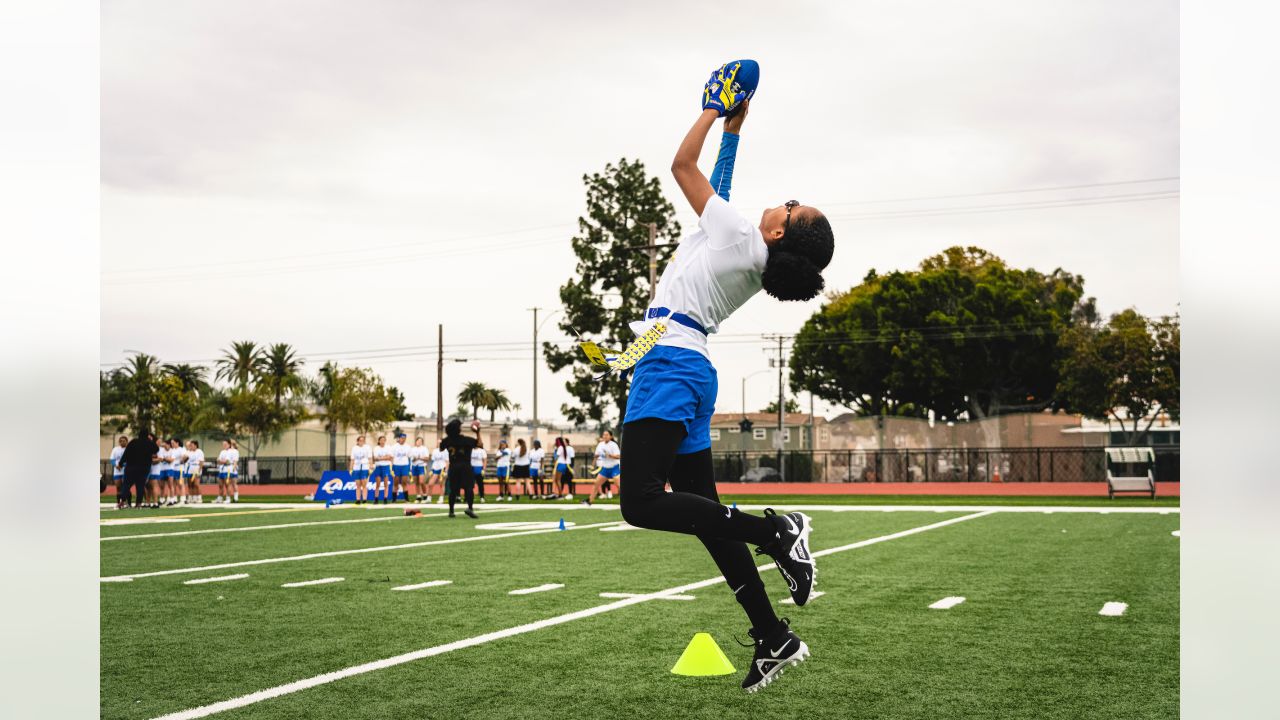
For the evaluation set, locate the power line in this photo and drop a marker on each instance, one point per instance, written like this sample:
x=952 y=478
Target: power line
x=1005 y=192
x=1010 y=207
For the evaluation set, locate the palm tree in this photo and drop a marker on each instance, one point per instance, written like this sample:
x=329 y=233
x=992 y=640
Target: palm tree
x=497 y=400
x=279 y=369
x=321 y=392
x=475 y=394
x=191 y=377
x=238 y=365
x=139 y=386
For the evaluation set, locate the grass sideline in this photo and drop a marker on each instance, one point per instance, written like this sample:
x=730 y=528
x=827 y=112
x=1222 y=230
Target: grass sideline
x=1027 y=642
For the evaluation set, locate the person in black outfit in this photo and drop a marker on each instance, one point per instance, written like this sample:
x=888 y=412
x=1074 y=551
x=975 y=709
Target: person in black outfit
x=460 y=477
x=137 y=463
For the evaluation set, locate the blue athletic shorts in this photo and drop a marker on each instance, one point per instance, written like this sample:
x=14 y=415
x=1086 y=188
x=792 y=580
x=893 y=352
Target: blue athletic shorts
x=400 y=470
x=533 y=472
x=156 y=475
x=561 y=467
x=359 y=474
x=435 y=472
x=610 y=472
x=478 y=471
x=502 y=473
x=419 y=470
x=671 y=383
x=381 y=471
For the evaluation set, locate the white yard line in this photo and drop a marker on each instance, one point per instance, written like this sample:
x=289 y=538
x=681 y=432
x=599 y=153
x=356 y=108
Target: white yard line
x=1113 y=609
x=141 y=521
x=538 y=589
x=298 y=685
x=619 y=528
x=337 y=553
x=1177 y=533
x=1119 y=509
x=631 y=595
x=308 y=583
x=428 y=584
x=220 y=578
x=813 y=595
x=288 y=525
x=947 y=603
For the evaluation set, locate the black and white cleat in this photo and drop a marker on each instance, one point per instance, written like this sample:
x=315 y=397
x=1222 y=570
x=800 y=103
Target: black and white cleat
x=774 y=654
x=790 y=552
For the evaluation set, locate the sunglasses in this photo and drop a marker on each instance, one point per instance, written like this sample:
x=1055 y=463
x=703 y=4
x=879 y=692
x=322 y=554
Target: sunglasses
x=789 y=205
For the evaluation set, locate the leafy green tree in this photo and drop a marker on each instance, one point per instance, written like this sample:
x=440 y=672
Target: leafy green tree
x=399 y=410
x=192 y=377
x=963 y=334
x=361 y=401
x=621 y=202
x=1126 y=371
x=133 y=392
x=252 y=414
x=174 y=406
x=320 y=390
x=791 y=406
x=475 y=394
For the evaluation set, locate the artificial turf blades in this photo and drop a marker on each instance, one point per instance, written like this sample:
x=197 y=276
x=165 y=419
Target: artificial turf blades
x=1027 y=642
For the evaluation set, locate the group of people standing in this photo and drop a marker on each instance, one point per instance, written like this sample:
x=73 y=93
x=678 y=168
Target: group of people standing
x=518 y=471
x=153 y=473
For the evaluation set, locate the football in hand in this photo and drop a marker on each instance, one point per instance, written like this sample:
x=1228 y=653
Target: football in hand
x=475 y=426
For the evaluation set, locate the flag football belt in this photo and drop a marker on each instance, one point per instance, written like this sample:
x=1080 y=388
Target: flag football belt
x=610 y=360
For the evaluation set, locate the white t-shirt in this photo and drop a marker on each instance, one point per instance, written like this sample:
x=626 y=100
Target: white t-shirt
x=382 y=455
x=162 y=463
x=535 y=458
x=400 y=454
x=173 y=456
x=504 y=458
x=223 y=467
x=478 y=456
x=233 y=457
x=117 y=452
x=715 y=270
x=561 y=455
x=521 y=460
x=195 y=461
x=439 y=458
x=604 y=450
x=418 y=455
x=360 y=455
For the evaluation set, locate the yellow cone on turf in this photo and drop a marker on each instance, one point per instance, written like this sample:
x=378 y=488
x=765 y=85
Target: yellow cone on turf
x=703 y=657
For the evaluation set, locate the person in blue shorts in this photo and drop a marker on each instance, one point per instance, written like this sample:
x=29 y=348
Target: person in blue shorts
x=478 y=459
x=502 y=470
x=361 y=457
x=418 y=468
x=382 y=457
x=401 y=460
x=608 y=465
x=540 y=487
x=666 y=435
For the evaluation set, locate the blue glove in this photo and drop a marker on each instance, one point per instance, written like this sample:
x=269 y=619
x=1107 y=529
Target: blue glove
x=729 y=85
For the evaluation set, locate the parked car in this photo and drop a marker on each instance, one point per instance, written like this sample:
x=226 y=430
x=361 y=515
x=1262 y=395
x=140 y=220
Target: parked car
x=760 y=474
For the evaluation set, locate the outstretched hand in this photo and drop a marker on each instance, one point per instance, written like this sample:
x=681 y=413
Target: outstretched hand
x=718 y=94
x=733 y=121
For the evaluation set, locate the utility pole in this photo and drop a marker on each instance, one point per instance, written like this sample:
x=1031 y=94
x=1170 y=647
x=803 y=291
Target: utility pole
x=535 y=372
x=781 y=406
x=439 y=382
x=653 y=261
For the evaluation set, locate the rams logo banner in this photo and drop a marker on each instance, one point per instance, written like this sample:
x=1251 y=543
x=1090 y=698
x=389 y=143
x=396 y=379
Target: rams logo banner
x=336 y=485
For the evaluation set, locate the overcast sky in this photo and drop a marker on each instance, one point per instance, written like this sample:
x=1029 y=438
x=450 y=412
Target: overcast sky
x=344 y=176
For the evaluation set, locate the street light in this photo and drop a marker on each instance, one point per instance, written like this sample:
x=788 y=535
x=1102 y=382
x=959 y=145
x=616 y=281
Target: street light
x=744 y=389
x=536 y=327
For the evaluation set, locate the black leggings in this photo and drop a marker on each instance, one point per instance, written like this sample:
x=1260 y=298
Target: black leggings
x=464 y=483
x=693 y=508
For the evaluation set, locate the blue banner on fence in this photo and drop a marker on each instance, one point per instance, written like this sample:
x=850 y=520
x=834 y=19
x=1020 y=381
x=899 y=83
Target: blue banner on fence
x=336 y=485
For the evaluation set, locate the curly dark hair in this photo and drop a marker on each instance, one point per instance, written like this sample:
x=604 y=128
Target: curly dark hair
x=796 y=261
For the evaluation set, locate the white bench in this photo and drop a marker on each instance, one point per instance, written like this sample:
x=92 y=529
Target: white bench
x=1130 y=470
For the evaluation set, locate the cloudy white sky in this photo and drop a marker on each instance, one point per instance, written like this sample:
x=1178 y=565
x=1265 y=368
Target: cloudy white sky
x=344 y=176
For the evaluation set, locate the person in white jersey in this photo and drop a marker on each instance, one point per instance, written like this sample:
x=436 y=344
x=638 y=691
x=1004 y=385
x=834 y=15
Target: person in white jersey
x=400 y=462
x=117 y=469
x=540 y=487
x=233 y=459
x=224 y=473
x=520 y=467
x=564 y=469
x=361 y=456
x=159 y=463
x=478 y=460
x=195 y=468
x=418 y=468
x=608 y=464
x=502 y=470
x=176 y=491
x=439 y=464
x=382 y=456
x=667 y=429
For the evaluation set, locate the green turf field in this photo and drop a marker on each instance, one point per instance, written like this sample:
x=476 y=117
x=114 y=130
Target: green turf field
x=1027 y=641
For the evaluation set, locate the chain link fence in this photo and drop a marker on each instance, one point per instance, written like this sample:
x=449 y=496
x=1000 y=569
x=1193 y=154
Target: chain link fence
x=830 y=466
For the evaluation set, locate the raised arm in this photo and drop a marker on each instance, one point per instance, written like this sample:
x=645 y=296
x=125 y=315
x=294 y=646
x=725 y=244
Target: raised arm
x=695 y=186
